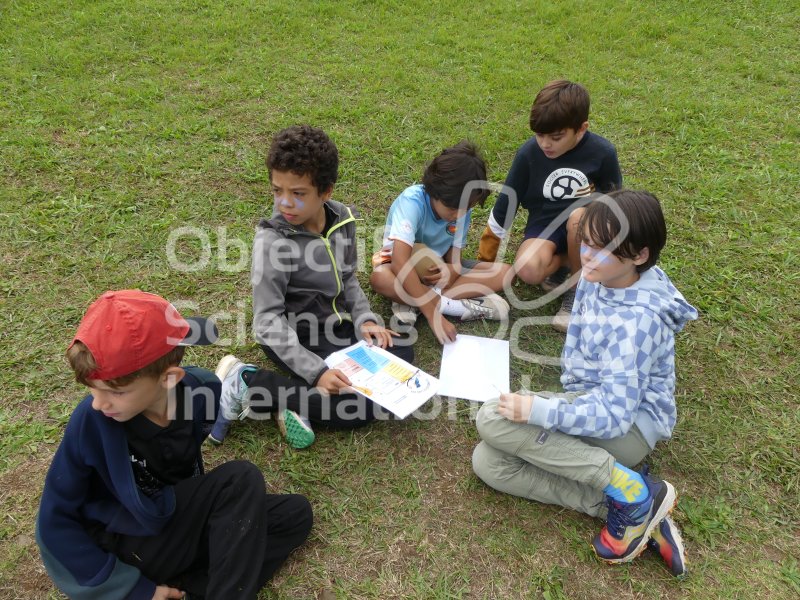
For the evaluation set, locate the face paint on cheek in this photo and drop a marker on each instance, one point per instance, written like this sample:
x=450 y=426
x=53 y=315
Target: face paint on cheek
x=299 y=204
x=598 y=257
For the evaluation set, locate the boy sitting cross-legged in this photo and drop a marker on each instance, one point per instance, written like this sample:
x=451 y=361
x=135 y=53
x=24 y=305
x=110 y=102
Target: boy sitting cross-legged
x=419 y=267
x=127 y=511
x=307 y=301
x=576 y=448
x=552 y=176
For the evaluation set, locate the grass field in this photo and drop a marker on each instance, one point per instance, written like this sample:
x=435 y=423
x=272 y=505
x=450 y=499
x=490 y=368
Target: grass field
x=121 y=122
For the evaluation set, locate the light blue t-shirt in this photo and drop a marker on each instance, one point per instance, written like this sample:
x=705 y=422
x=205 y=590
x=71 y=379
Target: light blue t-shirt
x=412 y=220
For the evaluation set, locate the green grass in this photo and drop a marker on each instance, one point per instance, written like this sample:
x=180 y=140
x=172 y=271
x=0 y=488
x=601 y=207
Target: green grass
x=120 y=122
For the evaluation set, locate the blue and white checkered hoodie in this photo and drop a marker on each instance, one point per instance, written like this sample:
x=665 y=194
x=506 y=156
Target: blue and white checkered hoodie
x=620 y=351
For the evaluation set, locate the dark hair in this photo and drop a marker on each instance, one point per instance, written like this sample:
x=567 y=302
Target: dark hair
x=84 y=364
x=600 y=225
x=451 y=171
x=305 y=150
x=560 y=105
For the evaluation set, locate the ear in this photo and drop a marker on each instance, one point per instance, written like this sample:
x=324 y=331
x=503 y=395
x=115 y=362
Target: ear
x=583 y=128
x=326 y=195
x=642 y=257
x=170 y=378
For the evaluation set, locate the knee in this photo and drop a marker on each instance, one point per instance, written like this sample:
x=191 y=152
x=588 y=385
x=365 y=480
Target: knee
x=301 y=513
x=487 y=420
x=381 y=280
x=574 y=220
x=493 y=466
x=248 y=474
x=480 y=460
x=241 y=478
x=529 y=271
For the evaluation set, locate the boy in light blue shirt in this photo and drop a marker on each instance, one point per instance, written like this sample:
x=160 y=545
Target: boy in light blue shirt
x=419 y=265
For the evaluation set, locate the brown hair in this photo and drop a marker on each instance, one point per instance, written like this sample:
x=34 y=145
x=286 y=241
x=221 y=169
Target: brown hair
x=560 y=105
x=600 y=225
x=83 y=363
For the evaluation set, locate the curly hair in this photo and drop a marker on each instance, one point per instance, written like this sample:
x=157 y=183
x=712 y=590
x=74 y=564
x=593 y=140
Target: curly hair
x=305 y=150
x=449 y=174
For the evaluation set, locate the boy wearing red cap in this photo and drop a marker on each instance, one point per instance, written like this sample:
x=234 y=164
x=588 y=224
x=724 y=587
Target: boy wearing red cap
x=127 y=511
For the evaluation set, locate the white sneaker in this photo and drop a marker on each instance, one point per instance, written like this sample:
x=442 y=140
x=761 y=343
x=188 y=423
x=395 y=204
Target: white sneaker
x=233 y=401
x=405 y=313
x=492 y=307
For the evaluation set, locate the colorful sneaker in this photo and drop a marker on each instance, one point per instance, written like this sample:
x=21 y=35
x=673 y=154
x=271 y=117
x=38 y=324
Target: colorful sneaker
x=295 y=429
x=491 y=307
x=551 y=282
x=405 y=313
x=232 y=402
x=561 y=320
x=629 y=526
x=667 y=541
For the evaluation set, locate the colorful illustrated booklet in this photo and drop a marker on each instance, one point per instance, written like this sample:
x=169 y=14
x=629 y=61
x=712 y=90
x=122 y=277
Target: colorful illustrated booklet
x=396 y=385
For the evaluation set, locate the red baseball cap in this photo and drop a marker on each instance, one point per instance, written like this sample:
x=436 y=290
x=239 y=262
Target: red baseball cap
x=127 y=330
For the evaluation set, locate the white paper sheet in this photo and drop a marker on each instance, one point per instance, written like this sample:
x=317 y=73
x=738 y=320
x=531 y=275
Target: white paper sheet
x=474 y=368
x=385 y=379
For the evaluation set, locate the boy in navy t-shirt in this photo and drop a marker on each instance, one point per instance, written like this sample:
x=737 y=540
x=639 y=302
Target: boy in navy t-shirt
x=552 y=176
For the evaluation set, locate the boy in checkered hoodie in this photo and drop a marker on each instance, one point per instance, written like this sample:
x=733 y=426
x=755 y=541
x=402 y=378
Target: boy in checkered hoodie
x=576 y=448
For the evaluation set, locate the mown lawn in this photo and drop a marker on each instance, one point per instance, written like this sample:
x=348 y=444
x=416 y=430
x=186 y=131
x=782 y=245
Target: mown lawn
x=122 y=122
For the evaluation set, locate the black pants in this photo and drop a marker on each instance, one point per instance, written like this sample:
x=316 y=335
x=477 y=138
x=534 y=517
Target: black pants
x=227 y=538
x=269 y=391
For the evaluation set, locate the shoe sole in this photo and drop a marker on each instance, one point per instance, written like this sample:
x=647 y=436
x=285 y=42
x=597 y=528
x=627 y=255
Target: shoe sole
x=224 y=366
x=295 y=431
x=666 y=507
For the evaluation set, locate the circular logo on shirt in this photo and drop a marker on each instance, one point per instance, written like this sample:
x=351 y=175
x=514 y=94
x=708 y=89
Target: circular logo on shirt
x=451 y=228
x=566 y=184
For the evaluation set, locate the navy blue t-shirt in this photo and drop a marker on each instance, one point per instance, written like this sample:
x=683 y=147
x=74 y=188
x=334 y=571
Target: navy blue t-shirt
x=546 y=187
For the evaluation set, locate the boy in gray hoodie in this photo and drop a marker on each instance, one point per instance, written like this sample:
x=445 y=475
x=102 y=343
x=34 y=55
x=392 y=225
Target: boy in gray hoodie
x=576 y=448
x=307 y=302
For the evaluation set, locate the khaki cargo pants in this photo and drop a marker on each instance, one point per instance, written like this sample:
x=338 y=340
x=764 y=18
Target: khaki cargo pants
x=550 y=467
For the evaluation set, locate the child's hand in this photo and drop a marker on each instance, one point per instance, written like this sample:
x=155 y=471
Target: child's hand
x=440 y=277
x=164 y=592
x=443 y=329
x=515 y=407
x=383 y=336
x=333 y=381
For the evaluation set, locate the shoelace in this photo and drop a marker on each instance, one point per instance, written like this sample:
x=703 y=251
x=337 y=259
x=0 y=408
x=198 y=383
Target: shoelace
x=473 y=305
x=619 y=518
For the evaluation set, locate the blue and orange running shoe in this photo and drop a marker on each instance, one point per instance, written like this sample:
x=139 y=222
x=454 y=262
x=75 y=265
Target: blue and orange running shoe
x=667 y=541
x=629 y=526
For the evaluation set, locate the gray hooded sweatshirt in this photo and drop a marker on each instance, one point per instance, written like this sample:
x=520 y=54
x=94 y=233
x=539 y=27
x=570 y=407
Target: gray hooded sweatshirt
x=298 y=275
